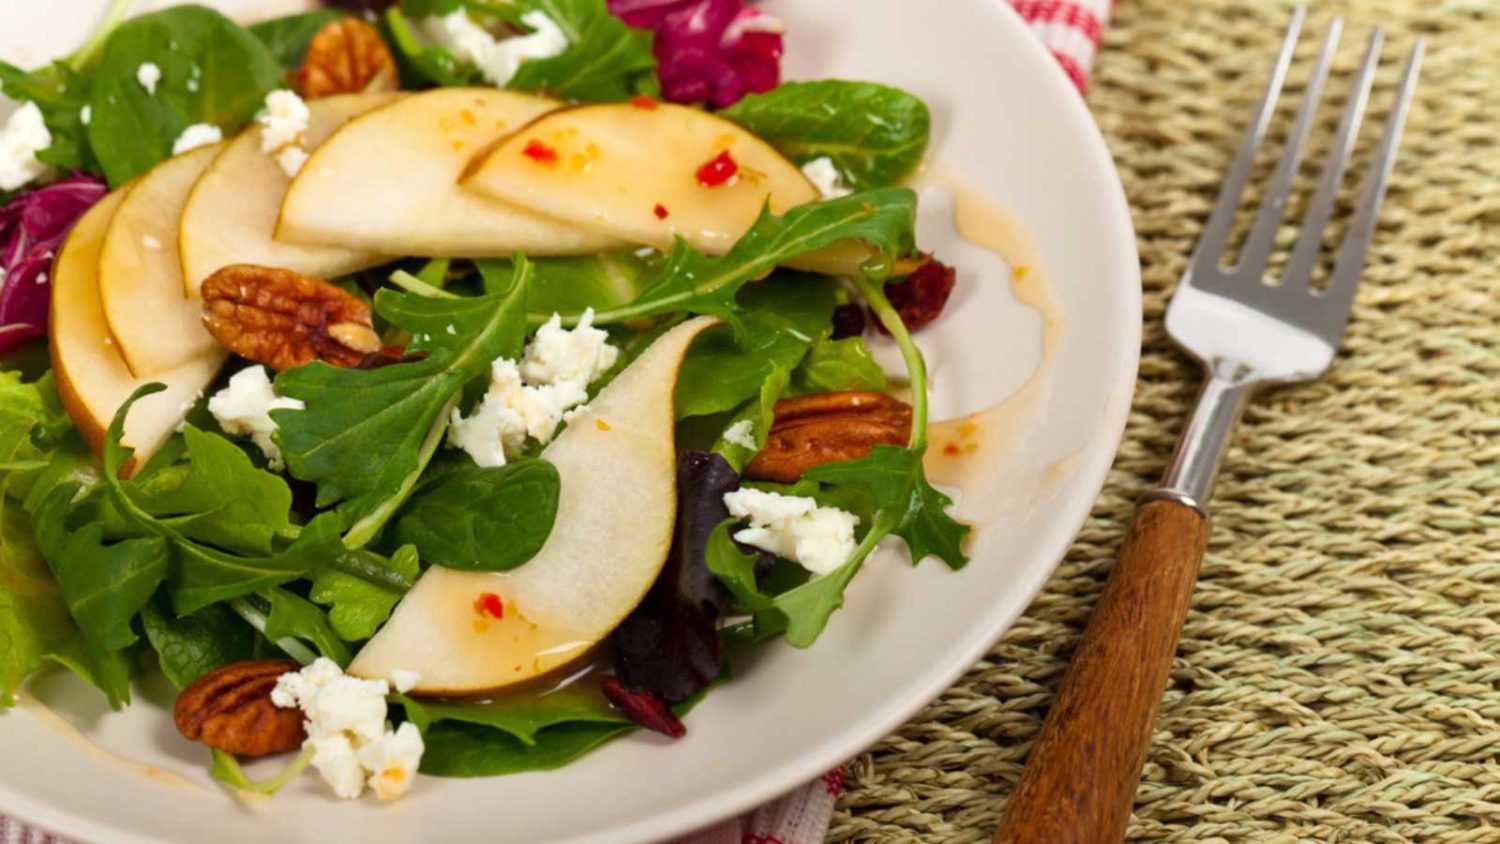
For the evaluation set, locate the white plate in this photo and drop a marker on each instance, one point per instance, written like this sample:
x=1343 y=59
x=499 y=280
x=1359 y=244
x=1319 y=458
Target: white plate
x=1009 y=123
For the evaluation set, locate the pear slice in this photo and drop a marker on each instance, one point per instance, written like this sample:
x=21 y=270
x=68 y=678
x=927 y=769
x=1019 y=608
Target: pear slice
x=92 y=378
x=140 y=274
x=631 y=172
x=613 y=530
x=230 y=215
x=388 y=181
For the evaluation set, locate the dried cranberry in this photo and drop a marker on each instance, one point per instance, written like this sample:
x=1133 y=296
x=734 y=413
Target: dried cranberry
x=643 y=708
x=848 y=321
x=921 y=296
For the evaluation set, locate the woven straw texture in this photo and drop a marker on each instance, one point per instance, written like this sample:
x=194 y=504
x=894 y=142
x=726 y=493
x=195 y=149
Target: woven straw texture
x=1339 y=675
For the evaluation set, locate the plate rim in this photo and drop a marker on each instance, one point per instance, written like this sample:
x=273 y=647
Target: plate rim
x=837 y=748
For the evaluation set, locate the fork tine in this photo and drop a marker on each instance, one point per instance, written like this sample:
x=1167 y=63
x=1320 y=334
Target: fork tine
x=1211 y=243
x=1357 y=241
x=1299 y=267
x=1257 y=251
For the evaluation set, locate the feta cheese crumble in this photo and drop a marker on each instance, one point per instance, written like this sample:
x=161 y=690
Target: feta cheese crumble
x=826 y=178
x=86 y=115
x=352 y=744
x=23 y=136
x=244 y=407
x=820 y=539
x=197 y=135
x=742 y=434
x=497 y=59
x=532 y=397
x=283 y=122
x=148 y=74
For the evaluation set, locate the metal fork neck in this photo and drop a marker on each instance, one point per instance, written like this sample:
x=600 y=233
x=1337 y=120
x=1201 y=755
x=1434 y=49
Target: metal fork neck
x=1190 y=477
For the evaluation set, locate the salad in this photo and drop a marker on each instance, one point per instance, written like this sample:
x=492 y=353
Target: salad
x=444 y=385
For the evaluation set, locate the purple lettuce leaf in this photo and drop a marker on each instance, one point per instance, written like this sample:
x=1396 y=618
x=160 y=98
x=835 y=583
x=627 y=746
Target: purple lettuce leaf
x=713 y=51
x=32 y=228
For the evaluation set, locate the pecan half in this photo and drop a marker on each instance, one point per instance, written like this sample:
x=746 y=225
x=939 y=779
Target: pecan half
x=347 y=56
x=823 y=428
x=282 y=319
x=230 y=709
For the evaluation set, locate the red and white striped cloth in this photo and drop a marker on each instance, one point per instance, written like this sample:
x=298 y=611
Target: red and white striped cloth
x=1071 y=30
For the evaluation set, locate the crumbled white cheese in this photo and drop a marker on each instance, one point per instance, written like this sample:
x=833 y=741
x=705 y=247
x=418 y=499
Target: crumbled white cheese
x=345 y=719
x=392 y=761
x=192 y=84
x=532 y=398
x=244 y=407
x=826 y=178
x=291 y=159
x=404 y=681
x=148 y=74
x=23 y=136
x=742 y=434
x=497 y=60
x=451 y=329
x=197 y=135
x=820 y=539
x=86 y=115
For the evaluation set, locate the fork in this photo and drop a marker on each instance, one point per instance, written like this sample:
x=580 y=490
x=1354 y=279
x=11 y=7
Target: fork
x=1248 y=331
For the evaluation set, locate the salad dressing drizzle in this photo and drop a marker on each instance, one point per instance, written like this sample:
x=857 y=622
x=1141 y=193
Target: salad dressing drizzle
x=63 y=727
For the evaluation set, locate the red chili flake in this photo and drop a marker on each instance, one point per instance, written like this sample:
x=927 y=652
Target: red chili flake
x=645 y=102
x=660 y=211
x=488 y=603
x=718 y=170
x=646 y=709
x=921 y=296
x=539 y=152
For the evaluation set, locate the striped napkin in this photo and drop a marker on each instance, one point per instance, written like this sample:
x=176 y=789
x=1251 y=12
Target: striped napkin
x=1071 y=30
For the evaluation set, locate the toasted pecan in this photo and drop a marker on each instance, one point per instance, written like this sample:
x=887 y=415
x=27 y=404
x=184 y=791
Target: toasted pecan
x=230 y=709
x=282 y=319
x=347 y=56
x=821 y=428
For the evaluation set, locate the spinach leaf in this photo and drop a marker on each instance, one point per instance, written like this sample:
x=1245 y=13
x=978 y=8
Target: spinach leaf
x=60 y=93
x=358 y=605
x=212 y=71
x=104 y=585
x=523 y=716
x=570 y=284
x=479 y=519
x=692 y=281
x=836 y=365
x=605 y=60
x=461 y=749
x=875 y=135
x=782 y=316
x=288 y=37
x=294 y=617
x=396 y=412
x=193 y=645
x=219 y=497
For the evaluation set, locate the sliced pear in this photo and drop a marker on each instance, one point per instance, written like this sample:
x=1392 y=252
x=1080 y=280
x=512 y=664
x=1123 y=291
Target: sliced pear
x=230 y=215
x=388 y=181
x=610 y=540
x=140 y=274
x=632 y=173
x=92 y=378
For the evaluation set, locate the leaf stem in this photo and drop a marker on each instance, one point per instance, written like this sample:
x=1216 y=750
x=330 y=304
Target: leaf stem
x=365 y=529
x=226 y=769
x=113 y=17
x=257 y=619
x=411 y=284
x=916 y=368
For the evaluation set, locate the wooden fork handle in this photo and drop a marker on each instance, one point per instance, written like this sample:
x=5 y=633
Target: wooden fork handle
x=1080 y=779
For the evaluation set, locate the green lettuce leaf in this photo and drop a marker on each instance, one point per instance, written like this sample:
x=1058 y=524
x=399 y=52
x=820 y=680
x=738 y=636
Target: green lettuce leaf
x=193 y=645
x=760 y=412
x=357 y=606
x=294 y=617
x=875 y=135
x=605 y=60
x=836 y=365
x=483 y=519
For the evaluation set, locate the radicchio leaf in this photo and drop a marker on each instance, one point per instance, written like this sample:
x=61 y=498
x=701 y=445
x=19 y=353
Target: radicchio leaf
x=669 y=645
x=32 y=228
x=645 y=709
x=713 y=51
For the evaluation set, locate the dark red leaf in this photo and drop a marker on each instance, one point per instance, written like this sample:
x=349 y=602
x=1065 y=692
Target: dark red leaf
x=643 y=708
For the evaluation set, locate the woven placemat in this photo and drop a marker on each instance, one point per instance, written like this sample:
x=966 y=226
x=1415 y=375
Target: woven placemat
x=1339 y=675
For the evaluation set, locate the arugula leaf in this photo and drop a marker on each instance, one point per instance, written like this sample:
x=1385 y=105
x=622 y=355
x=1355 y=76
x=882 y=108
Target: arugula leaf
x=835 y=365
x=359 y=605
x=397 y=412
x=605 y=60
x=104 y=585
x=782 y=316
x=479 y=519
x=212 y=72
x=288 y=37
x=735 y=569
x=893 y=477
x=692 y=281
x=222 y=499
x=193 y=645
x=294 y=617
x=875 y=135
x=60 y=93
x=761 y=413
